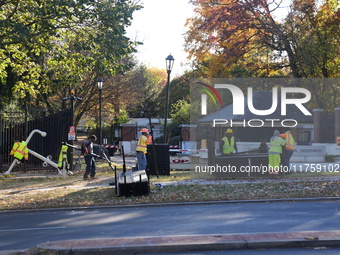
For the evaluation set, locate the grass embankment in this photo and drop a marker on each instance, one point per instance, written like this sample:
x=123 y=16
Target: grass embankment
x=58 y=192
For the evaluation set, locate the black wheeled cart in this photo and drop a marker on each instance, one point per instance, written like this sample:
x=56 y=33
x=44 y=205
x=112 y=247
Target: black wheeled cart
x=131 y=183
x=127 y=182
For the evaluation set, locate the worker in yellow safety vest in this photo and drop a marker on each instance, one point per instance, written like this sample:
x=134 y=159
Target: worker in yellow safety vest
x=141 y=149
x=229 y=143
x=289 y=147
x=19 y=150
x=275 y=151
x=63 y=156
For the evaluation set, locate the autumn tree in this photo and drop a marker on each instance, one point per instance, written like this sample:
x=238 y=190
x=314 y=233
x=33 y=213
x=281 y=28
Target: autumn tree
x=230 y=35
x=237 y=38
x=313 y=32
x=179 y=90
x=149 y=83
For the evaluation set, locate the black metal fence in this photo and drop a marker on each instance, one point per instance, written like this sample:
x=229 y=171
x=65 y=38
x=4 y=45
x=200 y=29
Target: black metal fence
x=15 y=126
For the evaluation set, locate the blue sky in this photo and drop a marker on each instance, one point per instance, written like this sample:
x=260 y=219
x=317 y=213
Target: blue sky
x=160 y=26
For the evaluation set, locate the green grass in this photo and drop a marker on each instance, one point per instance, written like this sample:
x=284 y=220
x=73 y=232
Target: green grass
x=58 y=192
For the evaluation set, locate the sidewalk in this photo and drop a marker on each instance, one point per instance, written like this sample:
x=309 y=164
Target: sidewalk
x=185 y=243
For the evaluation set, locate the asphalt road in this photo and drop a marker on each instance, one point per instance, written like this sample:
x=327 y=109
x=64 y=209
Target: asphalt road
x=302 y=251
x=21 y=230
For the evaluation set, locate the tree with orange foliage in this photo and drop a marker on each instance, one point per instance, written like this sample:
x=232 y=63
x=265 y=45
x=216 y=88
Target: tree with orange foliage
x=254 y=36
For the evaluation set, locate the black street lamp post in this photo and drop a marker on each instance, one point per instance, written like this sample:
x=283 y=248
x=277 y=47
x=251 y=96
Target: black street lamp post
x=100 y=88
x=72 y=98
x=169 y=64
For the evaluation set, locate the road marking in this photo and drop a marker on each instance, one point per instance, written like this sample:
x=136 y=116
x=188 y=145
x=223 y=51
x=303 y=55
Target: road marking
x=28 y=229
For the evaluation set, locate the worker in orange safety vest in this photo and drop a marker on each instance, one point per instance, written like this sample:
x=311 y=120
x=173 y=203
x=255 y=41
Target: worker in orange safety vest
x=19 y=150
x=149 y=141
x=289 y=147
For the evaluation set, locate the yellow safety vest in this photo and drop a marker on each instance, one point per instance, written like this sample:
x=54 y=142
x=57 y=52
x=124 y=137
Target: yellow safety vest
x=15 y=147
x=228 y=147
x=275 y=146
x=141 y=145
x=20 y=150
x=62 y=155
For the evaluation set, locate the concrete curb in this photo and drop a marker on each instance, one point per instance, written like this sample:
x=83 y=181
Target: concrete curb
x=167 y=244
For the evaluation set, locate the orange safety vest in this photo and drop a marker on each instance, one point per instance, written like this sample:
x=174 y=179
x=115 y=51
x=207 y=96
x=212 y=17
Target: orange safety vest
x=141 y=145
x=290 y=142
x=149 y=140
x=20 y=150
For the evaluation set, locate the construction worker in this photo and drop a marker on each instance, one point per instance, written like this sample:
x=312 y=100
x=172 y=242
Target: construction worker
x=149 y=141
x=263 y=148
x=141 y=149
x=289 y=147
x=87 y=149
x=229 y=143
x=275 y=151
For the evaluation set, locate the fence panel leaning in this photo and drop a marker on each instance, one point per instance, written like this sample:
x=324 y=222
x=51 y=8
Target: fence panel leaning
x=15 y=127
